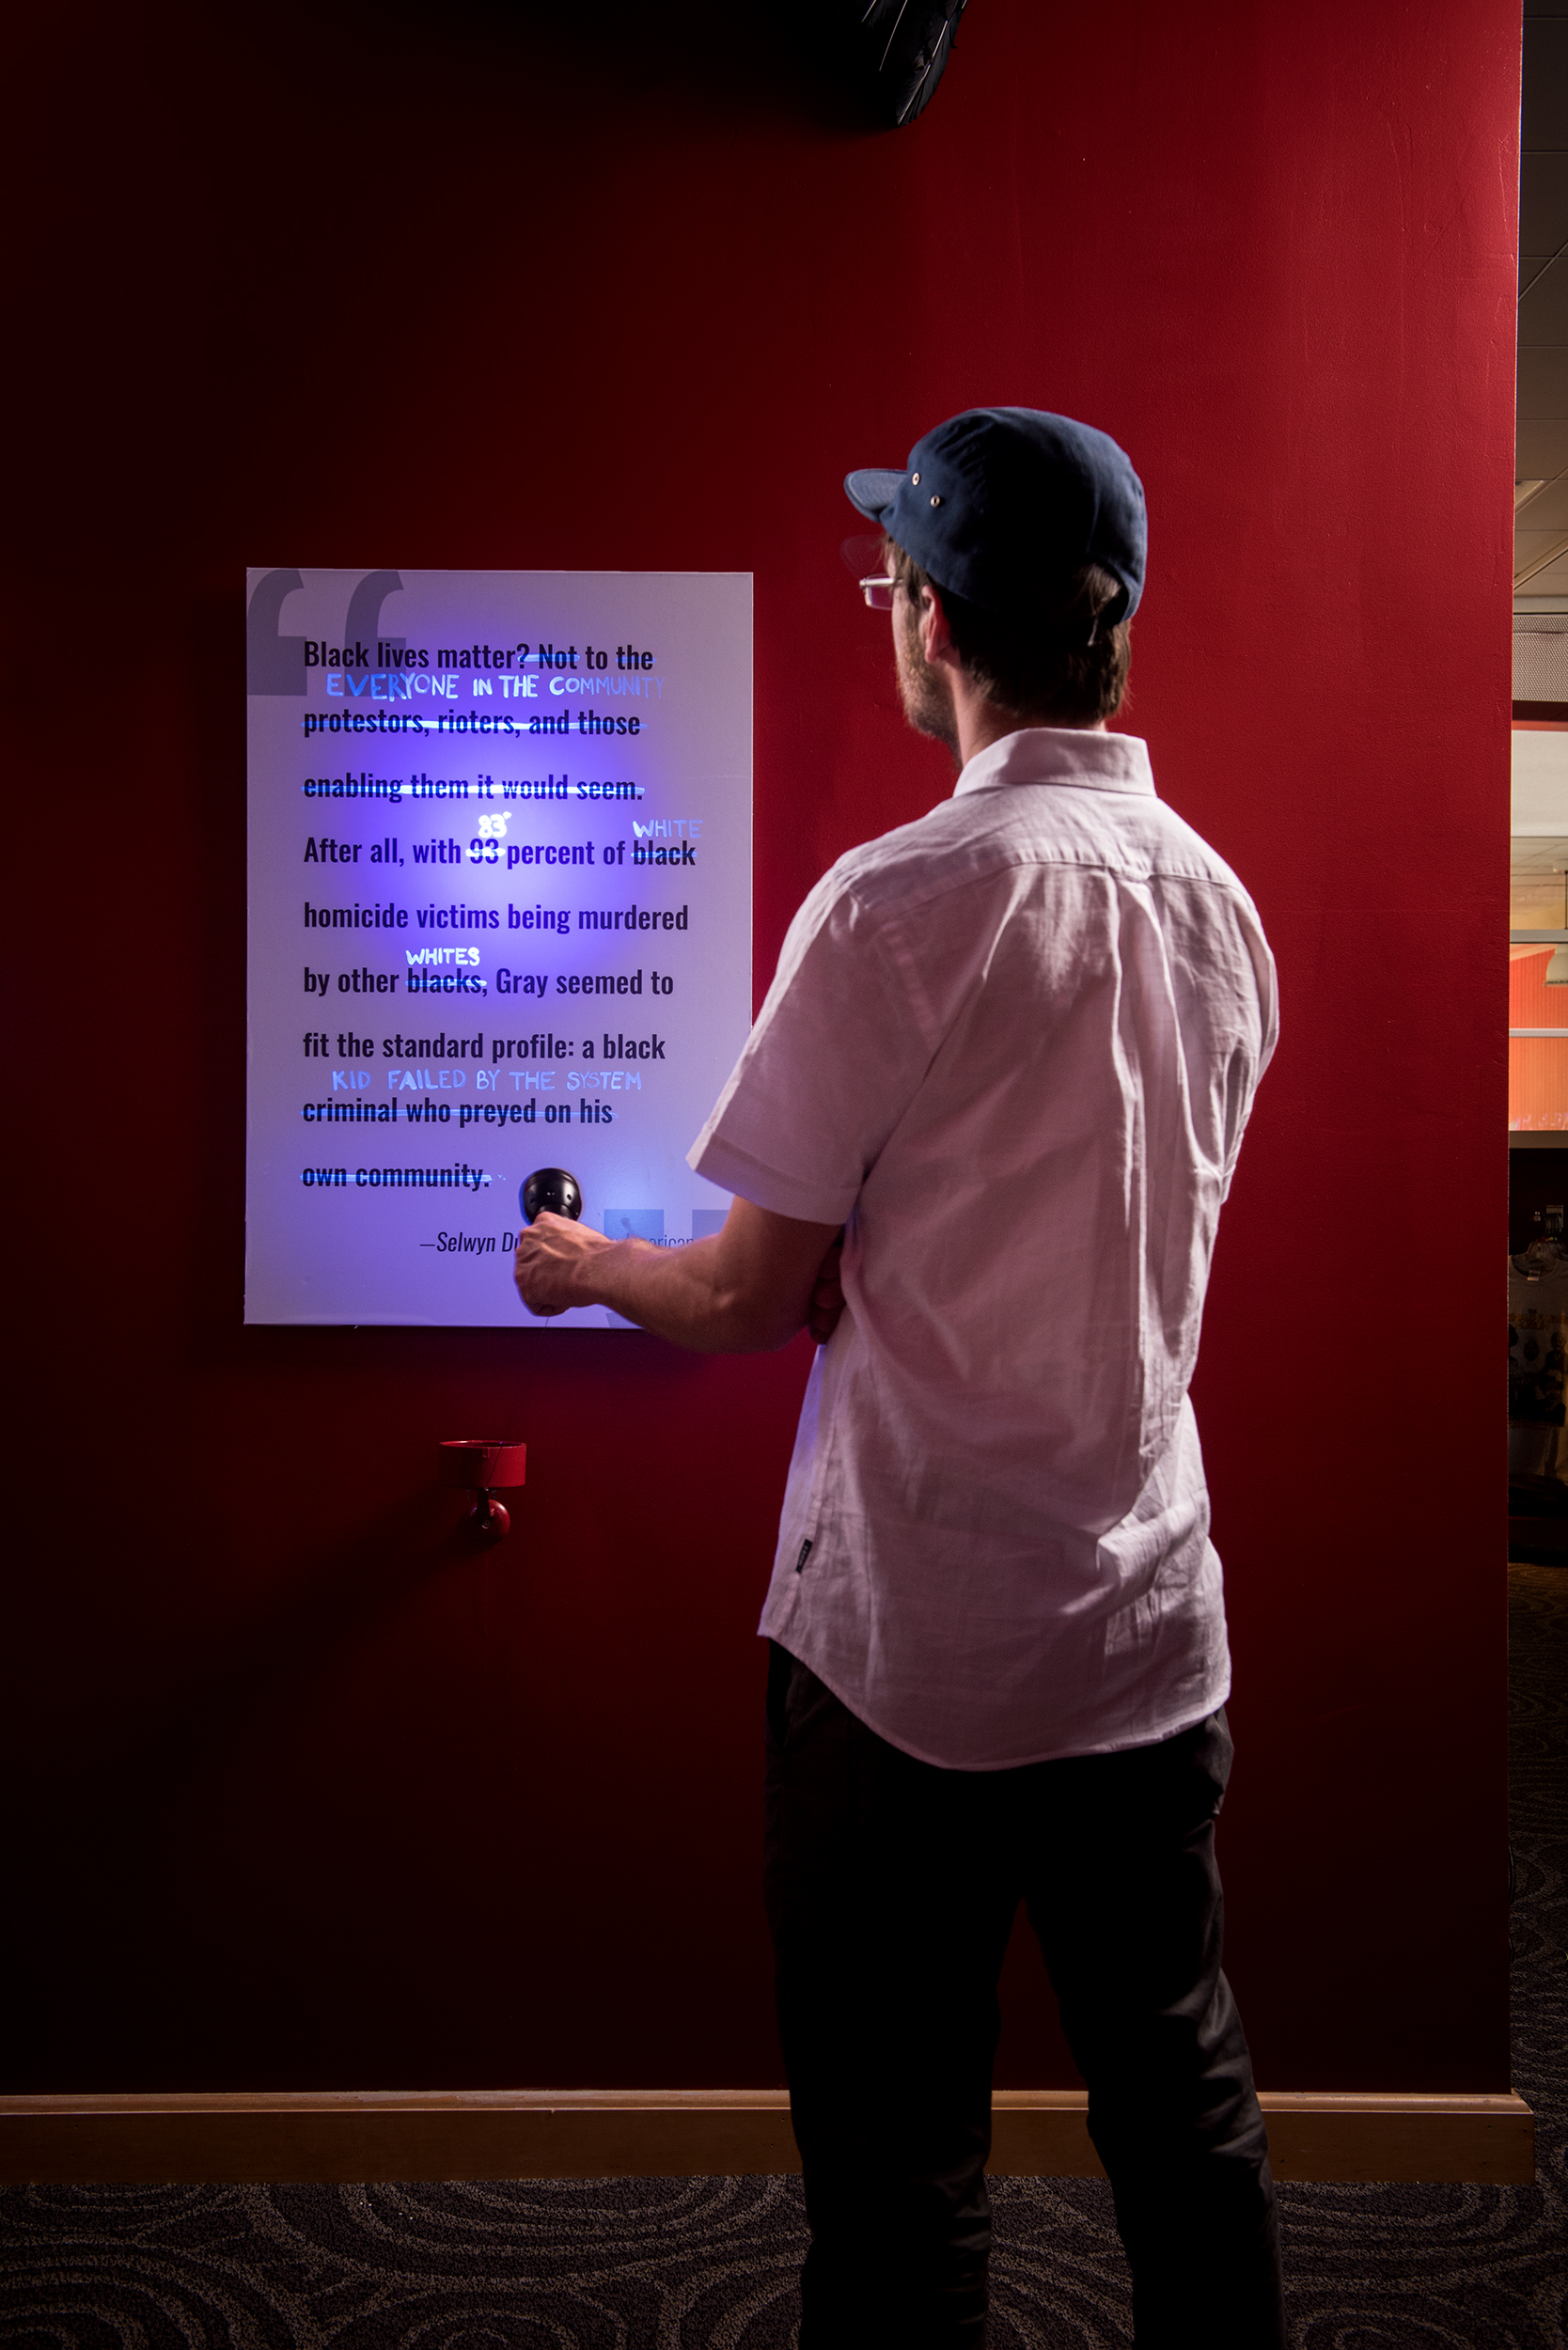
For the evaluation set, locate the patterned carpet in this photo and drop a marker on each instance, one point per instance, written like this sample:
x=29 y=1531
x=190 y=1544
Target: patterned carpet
x=675 y=2263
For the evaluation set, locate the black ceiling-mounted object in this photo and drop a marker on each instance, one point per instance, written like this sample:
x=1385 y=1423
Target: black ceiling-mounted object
x=903 y=50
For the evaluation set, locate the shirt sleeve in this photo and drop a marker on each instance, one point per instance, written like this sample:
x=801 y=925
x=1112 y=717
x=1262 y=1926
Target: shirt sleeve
x=1266 y=980
x=838 y=1049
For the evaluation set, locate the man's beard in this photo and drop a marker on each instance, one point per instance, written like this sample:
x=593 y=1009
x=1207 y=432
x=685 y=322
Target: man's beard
x=927 y=704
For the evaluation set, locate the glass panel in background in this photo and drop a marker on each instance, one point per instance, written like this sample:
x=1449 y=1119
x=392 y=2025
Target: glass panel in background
x=1538 y=901
x=1538 y=1182
x=1536 y=892
x=1537 y=1065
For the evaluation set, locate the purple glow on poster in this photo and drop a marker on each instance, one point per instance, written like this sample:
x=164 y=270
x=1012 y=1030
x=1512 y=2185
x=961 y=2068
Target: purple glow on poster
x=500 y=918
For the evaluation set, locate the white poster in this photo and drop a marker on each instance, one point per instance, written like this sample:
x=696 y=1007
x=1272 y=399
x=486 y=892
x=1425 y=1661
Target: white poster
x=500 y=920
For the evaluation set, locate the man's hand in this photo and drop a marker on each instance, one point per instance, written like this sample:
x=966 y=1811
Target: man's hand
x=749 y=1287
x=551 y=1256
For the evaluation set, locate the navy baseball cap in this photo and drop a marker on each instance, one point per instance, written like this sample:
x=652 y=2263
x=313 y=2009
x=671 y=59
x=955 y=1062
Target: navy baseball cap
x=997 y=502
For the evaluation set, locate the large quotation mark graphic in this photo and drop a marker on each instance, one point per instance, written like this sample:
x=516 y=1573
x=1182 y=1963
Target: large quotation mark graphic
x=274 y=663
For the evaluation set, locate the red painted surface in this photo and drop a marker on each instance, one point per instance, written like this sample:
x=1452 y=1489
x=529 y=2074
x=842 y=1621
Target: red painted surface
x=307 y=1796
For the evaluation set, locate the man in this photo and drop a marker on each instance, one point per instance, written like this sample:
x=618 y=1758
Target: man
x=1009 y=1051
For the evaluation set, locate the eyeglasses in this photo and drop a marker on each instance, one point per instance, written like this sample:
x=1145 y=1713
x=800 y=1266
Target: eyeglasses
x=879 y=593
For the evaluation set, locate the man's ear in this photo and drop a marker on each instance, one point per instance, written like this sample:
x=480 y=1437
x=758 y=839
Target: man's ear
x=937 y=641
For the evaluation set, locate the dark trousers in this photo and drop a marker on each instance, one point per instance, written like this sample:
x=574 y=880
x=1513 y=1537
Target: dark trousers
x=891 y=1890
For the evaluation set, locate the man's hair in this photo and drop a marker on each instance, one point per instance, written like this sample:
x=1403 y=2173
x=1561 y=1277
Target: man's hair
x=1060 y=661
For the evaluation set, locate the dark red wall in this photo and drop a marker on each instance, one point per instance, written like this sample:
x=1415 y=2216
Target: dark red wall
x=306 y=1795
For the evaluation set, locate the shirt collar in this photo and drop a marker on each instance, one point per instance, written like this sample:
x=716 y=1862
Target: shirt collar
x=1070 y=755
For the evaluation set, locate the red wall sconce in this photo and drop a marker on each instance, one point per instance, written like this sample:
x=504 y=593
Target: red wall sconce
x=480 y=1465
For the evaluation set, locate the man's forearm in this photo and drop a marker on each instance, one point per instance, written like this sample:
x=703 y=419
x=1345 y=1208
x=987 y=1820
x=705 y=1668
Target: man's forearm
x=748 y=1287
x=682 y=1294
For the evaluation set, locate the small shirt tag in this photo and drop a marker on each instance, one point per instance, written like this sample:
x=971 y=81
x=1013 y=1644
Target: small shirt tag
x=805 y=1554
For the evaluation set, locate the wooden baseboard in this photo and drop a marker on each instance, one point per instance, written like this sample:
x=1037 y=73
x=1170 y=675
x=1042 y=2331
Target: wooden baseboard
x=608 y=2133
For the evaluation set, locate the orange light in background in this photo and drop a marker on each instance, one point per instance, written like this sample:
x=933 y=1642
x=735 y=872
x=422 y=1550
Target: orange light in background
x=1537 y=1065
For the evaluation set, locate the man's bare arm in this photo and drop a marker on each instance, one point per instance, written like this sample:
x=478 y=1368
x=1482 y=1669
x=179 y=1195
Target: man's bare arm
x=747 y=1289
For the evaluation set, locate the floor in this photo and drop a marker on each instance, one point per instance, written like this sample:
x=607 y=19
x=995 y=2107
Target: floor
x=710 y=2264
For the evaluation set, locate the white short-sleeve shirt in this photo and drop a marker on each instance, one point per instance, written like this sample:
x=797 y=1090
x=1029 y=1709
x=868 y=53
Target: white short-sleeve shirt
x=1012 y=1047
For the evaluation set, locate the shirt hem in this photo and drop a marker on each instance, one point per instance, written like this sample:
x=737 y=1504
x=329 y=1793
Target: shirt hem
x=1184 y=1718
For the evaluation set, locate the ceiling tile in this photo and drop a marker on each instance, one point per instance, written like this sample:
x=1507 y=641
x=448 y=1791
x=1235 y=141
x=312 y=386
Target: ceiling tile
x=1544 y=310
x=1553 y=581
x=1543 y=385
x=1529 y=545
x=1544 y=112
x=1542 y=448
x=1547 y=510
x=1544 y=203
x=1540 y=661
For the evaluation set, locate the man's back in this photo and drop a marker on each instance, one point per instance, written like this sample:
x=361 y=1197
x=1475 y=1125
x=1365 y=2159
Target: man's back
x=1020 y=1038
x=978 y=1144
